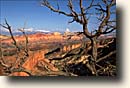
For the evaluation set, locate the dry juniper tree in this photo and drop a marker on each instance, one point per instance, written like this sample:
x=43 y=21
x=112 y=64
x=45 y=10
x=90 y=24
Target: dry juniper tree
x=22 y=54
x=17 y=65
x=103 y=11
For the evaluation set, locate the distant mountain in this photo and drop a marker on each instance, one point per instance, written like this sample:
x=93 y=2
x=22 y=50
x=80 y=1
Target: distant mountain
x=27 y=31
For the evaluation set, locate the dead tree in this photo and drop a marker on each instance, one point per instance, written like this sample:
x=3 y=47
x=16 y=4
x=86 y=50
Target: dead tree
x=22 y=55
x=17 y=66
x=103 y=14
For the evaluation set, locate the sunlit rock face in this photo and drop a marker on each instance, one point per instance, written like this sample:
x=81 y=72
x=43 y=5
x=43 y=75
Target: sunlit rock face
x=3 y=37
x=34 y=62
x=44 y=37
x=36 y=57
x=70 y=47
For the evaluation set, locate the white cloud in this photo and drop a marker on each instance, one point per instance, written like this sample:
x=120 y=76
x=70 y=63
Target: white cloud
x=29 y=29
x=42 y=30
x=35 y=30
x=67 y=30
x=26 y=30
x=3 y=29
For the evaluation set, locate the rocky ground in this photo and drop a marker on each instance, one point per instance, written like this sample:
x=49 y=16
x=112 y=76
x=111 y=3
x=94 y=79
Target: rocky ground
x=56 y=54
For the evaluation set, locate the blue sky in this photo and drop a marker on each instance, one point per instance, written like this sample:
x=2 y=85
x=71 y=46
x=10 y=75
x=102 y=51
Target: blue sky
x=38 y=17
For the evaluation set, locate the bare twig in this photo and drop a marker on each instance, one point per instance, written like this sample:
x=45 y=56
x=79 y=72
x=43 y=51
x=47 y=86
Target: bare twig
x=106 y=56
x=47 y=4
x=19 y=60
x=103 y=28
x=106 y=45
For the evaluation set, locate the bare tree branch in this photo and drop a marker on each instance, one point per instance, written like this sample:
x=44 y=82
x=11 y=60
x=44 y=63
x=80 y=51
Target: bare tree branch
x=10 y=31
x=91 y=4
x=108 y=55
x=106 y=45
x=19 y=60
x=47 y=4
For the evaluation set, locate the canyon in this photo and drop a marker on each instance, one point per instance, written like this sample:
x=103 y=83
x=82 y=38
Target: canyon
x=39 y=44
x=43 y=49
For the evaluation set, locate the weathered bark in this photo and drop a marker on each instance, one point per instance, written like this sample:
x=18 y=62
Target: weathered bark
x=94 y=55
x=94 y=49
x=93 y=58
